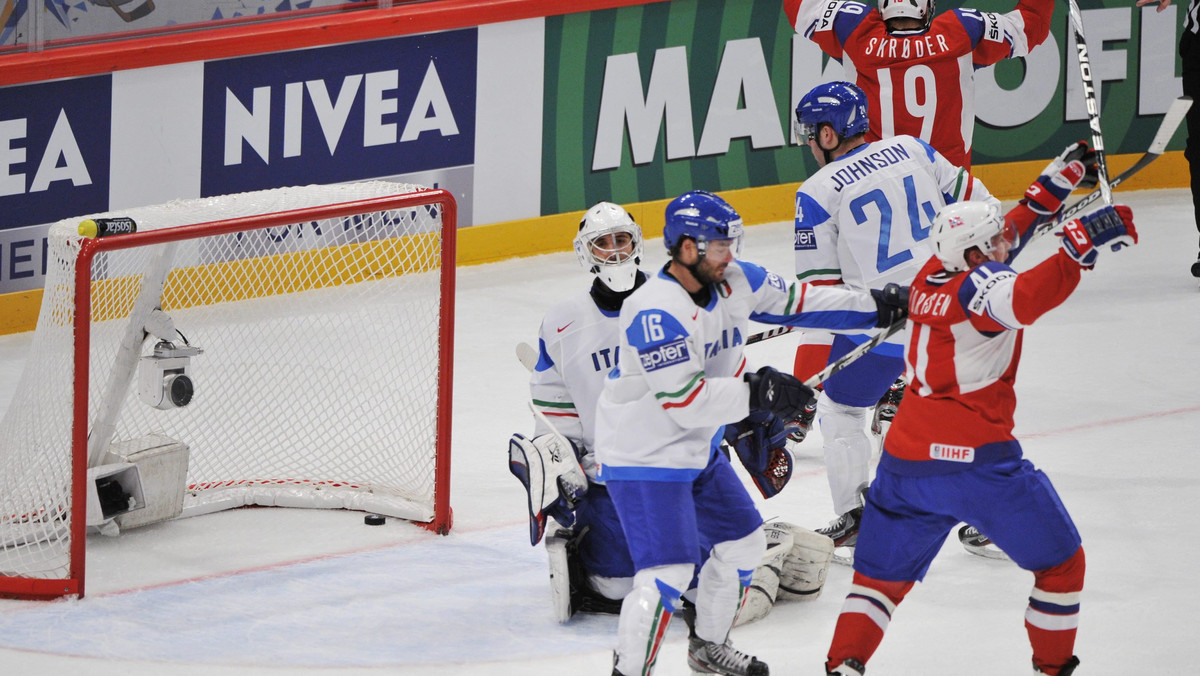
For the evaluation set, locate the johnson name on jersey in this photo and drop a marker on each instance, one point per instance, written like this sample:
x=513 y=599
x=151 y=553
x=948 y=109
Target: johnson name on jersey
x=921 y=82
x=863 y=220
x=679 y=379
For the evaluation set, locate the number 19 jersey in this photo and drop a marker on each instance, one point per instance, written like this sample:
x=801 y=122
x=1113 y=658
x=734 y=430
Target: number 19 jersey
x=921 y=82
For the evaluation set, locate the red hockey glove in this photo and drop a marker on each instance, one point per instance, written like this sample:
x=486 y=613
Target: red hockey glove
x=1074 y=168
x=1113 y=226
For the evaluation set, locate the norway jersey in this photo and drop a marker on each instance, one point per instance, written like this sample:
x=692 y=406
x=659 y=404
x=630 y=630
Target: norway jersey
x=964 y=343
x=577 y=347
x=680 y=375
x=921 y=82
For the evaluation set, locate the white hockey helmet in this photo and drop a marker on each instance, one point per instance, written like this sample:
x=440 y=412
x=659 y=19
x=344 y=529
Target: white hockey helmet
x=962 y=225
x=609 y=245
x=911 y=9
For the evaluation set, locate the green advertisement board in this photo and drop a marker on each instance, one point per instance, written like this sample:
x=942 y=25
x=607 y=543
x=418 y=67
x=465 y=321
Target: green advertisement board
x=645 y=102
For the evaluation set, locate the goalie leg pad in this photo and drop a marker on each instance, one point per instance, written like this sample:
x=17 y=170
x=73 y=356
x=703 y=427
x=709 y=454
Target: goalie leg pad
x=802 y=576
x=764 y=586
x=560 y=574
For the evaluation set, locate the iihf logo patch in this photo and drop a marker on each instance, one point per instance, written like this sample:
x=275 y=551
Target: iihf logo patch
x=954 y=222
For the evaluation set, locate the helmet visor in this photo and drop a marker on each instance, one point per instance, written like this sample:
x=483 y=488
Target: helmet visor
x=1008 y=234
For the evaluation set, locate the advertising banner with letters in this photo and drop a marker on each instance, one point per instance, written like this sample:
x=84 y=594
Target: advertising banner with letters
x=523 y=118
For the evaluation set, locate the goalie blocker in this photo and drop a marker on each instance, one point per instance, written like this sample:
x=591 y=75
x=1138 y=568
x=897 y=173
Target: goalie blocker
x=548 y=467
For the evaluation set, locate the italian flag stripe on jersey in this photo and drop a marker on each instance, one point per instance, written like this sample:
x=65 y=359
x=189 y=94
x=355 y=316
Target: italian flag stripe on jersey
x=684 y=396
x=559 y=408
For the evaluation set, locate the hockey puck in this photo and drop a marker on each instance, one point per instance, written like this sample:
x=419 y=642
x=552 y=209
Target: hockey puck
x=374 y=519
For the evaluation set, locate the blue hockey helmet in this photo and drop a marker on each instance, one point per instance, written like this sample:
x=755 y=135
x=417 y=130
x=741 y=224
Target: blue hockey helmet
x=702 y=217
x=842 y=105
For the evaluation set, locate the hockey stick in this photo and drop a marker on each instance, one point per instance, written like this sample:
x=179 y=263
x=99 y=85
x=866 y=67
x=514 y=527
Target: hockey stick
x=1093 y=107
x=528 y=354
x=769 y=334
x=1166 y=129
x=853 y=355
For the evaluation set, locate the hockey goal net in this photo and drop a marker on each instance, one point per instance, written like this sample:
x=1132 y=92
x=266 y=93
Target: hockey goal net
x=288 y=347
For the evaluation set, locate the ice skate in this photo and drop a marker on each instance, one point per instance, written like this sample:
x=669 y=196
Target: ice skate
x=706 y=657
x=799 y=428
x=844 y=529
x=979 y=544
x=885 y=410
x=1065 y=670
x=848 y=668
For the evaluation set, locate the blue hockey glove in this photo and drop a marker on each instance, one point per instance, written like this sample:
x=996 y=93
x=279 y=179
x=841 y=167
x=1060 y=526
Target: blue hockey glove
x=778 y=393
x=892 y=304
x=1112 y=226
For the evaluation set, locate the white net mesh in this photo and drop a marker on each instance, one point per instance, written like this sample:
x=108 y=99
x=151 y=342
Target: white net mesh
x=318 y=381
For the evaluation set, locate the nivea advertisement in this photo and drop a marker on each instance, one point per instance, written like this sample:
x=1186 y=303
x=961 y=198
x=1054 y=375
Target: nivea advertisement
x=336 y=114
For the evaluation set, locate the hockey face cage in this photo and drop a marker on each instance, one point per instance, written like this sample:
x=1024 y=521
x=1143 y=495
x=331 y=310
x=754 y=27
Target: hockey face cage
x=609 y=245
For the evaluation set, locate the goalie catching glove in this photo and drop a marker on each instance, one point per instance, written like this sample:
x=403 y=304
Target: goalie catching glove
x=760 y=441
x=1075 y=168
x=548 y=467
x=1111 y=226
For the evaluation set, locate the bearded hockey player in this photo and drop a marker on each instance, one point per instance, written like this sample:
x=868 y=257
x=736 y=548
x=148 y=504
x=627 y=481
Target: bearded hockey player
x=681 y=377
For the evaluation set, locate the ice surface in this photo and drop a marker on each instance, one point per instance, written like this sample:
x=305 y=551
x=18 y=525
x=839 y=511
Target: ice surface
x=1109 y=408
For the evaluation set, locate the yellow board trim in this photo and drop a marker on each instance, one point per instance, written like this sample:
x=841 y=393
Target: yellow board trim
x=768 y=204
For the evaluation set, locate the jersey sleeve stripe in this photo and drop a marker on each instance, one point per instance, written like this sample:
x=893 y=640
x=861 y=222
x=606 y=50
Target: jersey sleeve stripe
x=680 y=404
x=554 y=404
x=687 y=393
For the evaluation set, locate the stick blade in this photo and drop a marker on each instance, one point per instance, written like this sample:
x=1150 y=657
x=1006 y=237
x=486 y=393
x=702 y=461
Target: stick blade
x=528 y=356
x=1170 y=124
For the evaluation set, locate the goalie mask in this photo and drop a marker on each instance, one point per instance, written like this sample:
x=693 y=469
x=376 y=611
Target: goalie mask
x=963 y=225
x=909 y=9
x=609 y=245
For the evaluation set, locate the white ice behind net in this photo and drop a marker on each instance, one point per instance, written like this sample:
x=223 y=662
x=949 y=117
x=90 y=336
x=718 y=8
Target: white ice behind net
x=317 y=386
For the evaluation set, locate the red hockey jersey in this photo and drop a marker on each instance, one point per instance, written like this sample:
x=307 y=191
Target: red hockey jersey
x=965 y=331
x=922 y=82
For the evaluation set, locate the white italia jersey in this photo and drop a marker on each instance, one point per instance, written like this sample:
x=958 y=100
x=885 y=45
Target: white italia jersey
x=577 y=347
x=863 y=220
x=679 y=379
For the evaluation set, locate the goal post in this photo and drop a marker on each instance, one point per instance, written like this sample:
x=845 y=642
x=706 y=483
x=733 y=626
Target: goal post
x=289 y=347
